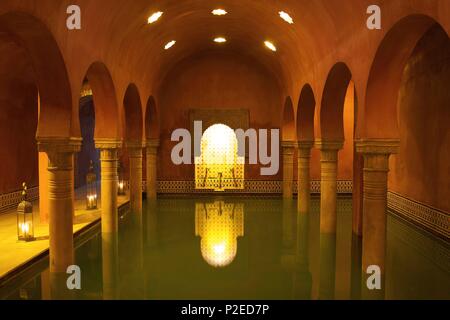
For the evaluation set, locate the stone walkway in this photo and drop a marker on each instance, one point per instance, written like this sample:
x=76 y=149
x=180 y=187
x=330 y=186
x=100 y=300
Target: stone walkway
x=14 y=253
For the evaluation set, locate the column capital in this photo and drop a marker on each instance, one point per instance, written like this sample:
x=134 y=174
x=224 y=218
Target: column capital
x=377 y=146
x=106 y=143
x=288 y=147
x=51 y=145
x=135 y=145
x=305 y=144
x=152 y=143
x=135 y=148
x=288 y=144
x=304 y=151
x=331 y=145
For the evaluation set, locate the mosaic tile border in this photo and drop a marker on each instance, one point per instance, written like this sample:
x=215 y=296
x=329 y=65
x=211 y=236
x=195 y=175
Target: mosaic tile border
x=10 y=201
x=250 y=187
x=425 y=216
x=432 y=219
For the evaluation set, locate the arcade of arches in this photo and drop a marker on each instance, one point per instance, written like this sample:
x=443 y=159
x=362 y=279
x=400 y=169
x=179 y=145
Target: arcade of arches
x=361 y=112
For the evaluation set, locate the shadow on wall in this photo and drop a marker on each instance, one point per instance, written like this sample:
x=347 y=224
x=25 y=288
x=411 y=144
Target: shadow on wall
x=420 y=171
x=88 y=152
x=18 y=118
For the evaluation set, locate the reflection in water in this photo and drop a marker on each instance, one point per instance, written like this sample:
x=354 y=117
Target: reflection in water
x=302 y=278
x=327 y=266
x=288 y=238
x=151 y=221
x=219 y=224
x=288 y=225
x=132 y=257
x=282 y=256
x=110 y=265
x=356 y=267
x=151 y=245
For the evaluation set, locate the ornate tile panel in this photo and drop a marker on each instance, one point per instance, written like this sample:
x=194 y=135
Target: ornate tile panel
x=432 y=219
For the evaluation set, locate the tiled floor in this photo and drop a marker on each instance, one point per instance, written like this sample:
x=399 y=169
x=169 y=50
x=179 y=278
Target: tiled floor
x=14 y=253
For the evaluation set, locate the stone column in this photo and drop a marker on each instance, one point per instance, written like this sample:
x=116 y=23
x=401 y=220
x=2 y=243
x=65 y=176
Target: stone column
x=109 y=156
x=60 y=153
x=43 y=187
x=304 y=183
x=376 y=154
x=135 y=154
x=328 y=185
x=288 y=168
x=357 y=199
x=152 y=154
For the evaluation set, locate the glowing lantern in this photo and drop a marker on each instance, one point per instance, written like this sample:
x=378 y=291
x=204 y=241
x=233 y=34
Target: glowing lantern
x=120 y=183
x=25 y=227
x=91 y=188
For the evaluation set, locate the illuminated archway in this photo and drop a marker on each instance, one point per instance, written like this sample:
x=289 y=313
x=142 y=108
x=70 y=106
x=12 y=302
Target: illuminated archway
x=219 y=224
x=219 y=167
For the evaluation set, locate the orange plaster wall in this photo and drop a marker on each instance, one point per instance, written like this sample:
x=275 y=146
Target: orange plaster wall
x=218 y=80
x=421 y=170
x=345 y=165
x=18 y=119
x=345 y=161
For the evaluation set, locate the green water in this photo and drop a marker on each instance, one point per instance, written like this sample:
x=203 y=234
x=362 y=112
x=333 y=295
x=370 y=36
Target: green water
x=241 y=248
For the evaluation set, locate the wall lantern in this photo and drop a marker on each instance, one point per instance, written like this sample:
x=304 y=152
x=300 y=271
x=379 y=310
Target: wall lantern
x=25 y=227
x=91 y=185
x=120 y=183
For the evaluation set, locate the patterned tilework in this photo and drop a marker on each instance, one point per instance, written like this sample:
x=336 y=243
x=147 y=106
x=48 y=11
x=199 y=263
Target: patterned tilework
x=9 y=201
x=251 y=187
x=432 y=219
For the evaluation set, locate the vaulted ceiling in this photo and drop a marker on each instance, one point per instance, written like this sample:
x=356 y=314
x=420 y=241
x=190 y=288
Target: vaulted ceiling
x=324 y=32
x=317 y=25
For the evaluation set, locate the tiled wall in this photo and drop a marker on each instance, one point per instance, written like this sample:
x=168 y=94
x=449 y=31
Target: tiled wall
x=425 y=216
x=11 y=200
x=251 y=187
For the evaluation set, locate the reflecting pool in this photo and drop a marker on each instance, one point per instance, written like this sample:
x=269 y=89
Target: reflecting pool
x=240 y=248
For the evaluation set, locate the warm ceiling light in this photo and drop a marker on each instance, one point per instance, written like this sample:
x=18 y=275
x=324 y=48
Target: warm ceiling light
x=270 y=45
x=286 y=17
x=220 y=40
x=169 y=45
x=155 y=17
x=219 y=12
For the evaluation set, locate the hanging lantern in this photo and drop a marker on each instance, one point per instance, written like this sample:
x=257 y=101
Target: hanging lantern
x=25 y=227
x=91 y=185
x=120 y=183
